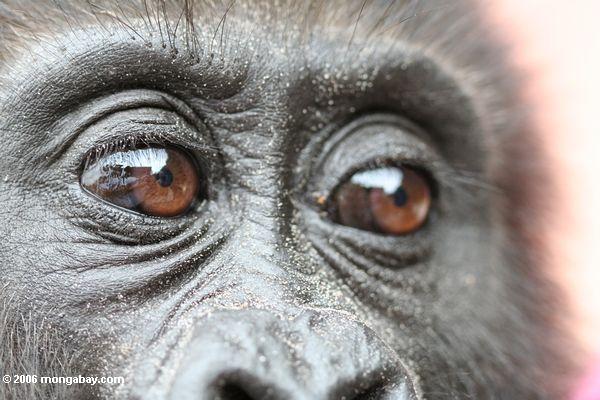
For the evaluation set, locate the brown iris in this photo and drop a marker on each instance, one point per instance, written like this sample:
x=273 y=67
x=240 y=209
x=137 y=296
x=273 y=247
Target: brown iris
x=162 y=182
x=388 y=200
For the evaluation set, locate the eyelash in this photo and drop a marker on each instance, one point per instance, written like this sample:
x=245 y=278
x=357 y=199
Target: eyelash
x=122 y=144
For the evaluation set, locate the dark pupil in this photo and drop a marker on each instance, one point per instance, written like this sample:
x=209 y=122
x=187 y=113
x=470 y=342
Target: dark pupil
x=400 y=197
x=164 y=177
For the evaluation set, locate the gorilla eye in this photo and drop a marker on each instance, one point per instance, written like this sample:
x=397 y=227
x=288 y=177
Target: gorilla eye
x=387 y=200
x=161 y=182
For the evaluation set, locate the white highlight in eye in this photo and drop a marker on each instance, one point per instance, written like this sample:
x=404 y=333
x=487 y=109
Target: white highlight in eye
x=152 y=158
x=115 y=170
x=389 y=179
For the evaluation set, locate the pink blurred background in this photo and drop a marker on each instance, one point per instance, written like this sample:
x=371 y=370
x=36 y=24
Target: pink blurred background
x=557 y=44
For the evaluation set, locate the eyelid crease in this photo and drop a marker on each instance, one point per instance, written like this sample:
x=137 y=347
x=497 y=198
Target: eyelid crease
x=412 y=147
x=89 y=114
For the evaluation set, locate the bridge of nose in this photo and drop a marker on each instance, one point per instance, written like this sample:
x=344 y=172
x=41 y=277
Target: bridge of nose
x=243 y=327
x=308 y=355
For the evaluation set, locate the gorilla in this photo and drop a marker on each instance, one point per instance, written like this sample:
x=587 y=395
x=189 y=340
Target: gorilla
x=270 y=200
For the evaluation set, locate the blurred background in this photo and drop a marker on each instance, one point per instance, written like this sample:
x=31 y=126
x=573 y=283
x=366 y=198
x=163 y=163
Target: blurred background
x=557 y=45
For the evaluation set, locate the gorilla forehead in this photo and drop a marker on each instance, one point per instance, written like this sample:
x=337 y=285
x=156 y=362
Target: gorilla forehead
x=267 y=61
x=247 y=31
x=234 y=57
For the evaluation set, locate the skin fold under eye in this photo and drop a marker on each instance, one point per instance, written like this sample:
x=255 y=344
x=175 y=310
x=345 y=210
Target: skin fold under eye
x=387 y=200
x=157 y=181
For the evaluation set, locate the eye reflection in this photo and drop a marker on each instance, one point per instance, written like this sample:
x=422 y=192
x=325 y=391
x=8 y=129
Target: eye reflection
x=388 y=200
x=162 y=182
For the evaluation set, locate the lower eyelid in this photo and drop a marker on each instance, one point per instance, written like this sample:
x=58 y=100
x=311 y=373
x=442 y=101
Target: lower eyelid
x=110 y=224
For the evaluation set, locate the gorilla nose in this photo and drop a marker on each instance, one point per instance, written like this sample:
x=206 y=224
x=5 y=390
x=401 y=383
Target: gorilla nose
x=254 y=354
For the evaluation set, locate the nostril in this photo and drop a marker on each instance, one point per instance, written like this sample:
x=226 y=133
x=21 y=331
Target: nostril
x=232 y=391
x=242 y=386
x=373 y=392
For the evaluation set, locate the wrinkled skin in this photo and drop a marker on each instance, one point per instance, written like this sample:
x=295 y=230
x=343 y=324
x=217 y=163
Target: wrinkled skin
x=256 y=292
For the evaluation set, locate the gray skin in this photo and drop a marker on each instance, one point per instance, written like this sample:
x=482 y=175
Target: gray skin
x=256 y=293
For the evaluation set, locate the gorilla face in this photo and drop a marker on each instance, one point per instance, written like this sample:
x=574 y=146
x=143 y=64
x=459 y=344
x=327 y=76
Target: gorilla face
x=271 y=201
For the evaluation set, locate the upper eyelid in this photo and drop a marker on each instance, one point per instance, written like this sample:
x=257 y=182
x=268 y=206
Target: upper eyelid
x=143 y=127
x=415 y=148
x=71 y=127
